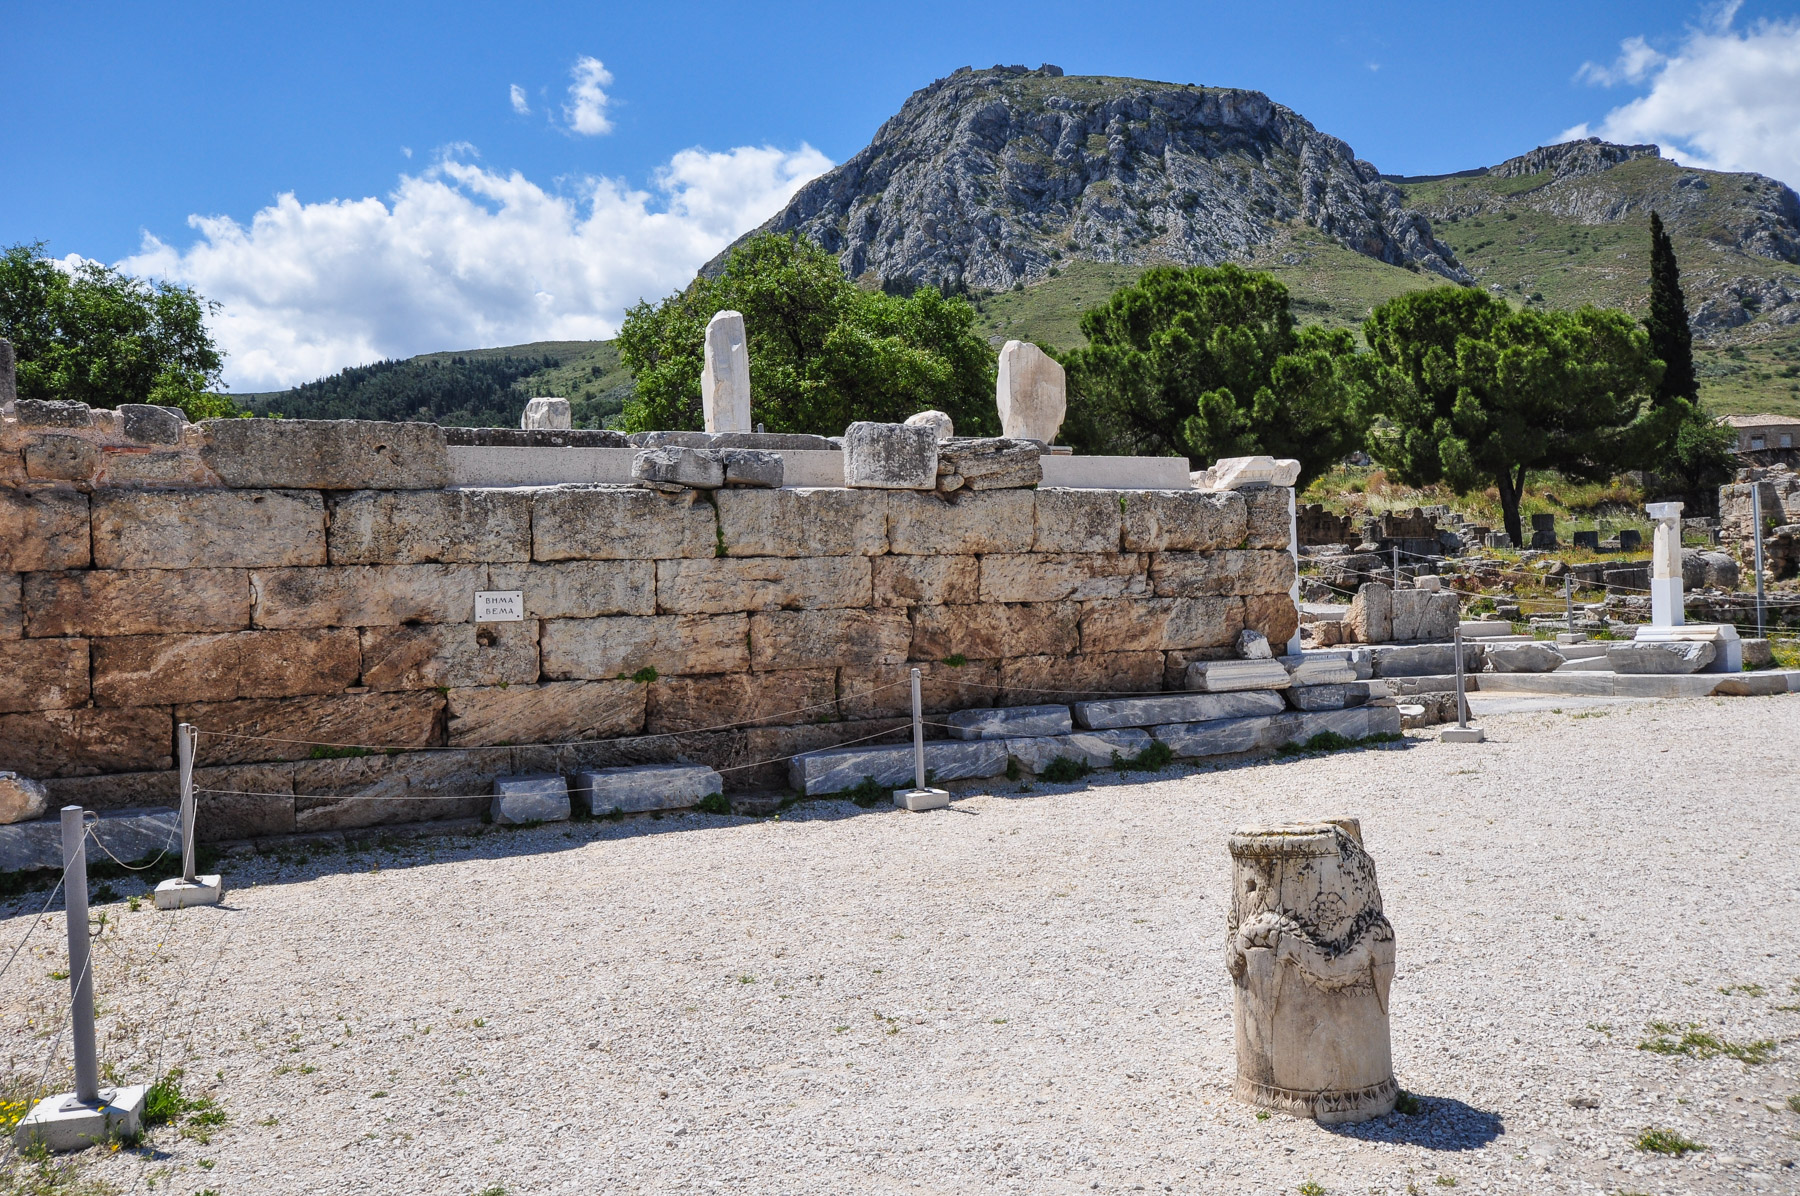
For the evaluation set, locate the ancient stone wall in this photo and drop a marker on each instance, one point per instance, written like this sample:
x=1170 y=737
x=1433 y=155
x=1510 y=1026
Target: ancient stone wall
x=304 y=593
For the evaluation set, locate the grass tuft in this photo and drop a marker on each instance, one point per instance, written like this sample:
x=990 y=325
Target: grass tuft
x=1659 y=1141
x=1064 y=769
x=1699 y=1044
x=867 y=793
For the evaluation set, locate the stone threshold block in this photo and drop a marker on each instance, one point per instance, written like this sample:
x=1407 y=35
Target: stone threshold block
x=1328 y=697
x=1095 y=749
x=176 y=893
x=1426 y=660
x=643 y=788
x=1175 y=708
x=1226 y=676
x=132 y=835
x=837 y=770
x=1728 y=650
x=62 y=1122
x=530 y=799
x=1008 y=722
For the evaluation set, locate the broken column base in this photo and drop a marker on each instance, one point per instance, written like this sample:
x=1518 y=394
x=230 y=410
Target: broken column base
x=176 y=893
x=922 y=799
x=61 y=1122
x=1462 y=735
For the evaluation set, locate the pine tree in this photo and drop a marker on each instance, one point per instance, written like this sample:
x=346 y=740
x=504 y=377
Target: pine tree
x=1670 y=338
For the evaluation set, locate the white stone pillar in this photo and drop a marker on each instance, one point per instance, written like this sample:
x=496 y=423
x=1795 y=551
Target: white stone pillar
x=1030 y=390
x=725 y=375
x=547 y=413
x=1666 y=605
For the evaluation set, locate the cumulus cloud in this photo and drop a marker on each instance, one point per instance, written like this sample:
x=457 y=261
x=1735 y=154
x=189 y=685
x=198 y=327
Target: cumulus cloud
x=586 y=109
x=1725 y=99
x=461 y=256
x=518 y=101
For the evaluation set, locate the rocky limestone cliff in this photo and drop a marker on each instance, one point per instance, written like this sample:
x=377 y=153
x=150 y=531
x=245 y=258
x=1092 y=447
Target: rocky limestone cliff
x=1571 y=159
x=990 y=178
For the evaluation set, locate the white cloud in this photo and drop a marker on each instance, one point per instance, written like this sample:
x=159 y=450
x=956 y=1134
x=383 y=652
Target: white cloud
x=1727 y=99
x=460 y=256
x=586 y=109
x=518 y=101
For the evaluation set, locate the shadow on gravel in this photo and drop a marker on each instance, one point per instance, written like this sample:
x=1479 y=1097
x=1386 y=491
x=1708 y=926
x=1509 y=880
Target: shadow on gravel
x=1442 y=1123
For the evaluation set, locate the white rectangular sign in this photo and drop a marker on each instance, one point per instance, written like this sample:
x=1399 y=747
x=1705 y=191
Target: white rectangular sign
x=499 y=606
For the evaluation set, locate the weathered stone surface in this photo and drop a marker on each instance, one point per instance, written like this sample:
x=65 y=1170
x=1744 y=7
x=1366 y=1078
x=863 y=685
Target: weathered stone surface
x=131 y=835
x=1246 y=473
x=1175 y=708
x=54 y=413
x=372 y=527
x=453 y=654
x=332 y=795
x=117 y=791
x=990 y=631
x=1007 y=722
x=890 y=456
x=260 y=730
x=61 y=459
x=753 y=467
x=366 y=595
x=988 y=463
x=258 y=801
x=1031 y=392
x=1274 y=615
x=547 y=413
x=1681 y=656
x=645 y=787
x=1320 y=668
x=124 y=466
x=810 y=522
x=43 y=527
x=1426 y=660
x=21 y=799
x=1085 y=675
x=548 y=712
x=1325 y=697
x=1254 y=645
x=1228 y=571
x=1223 y=737
x=1183 y=520
x=883 y=691
x=596 y=649
x=1523 y=658
x=1371 y=617
x=1135 y=624
x=716 y=585
x=805 y=639
x=1422 y=615
x=12 y=607
x=1077 y=521
x=940 y=424
x=620 y=523
x=148 y=670
x=1049 y=577
x=735 y=699
x=835 y=770
x=85 y=740
x=1758 y=652
x=188 y=529
x=926 y=580
x=580 y=589
x=1227 y=676
x=44 y=674
x=1266 y=518
x=536 y=438
x=992 y=521
x=95 y=602
x=1311 y=958
x=1096 y=749
x=326 y=454
x=703 y=469
x=149 y=423
x=530 y=799
x=725 y=374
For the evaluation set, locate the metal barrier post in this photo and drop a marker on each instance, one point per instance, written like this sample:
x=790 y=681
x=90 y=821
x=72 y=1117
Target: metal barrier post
x=1756 y=522
x=184 y=754
x=918 y=734
x=81 y=974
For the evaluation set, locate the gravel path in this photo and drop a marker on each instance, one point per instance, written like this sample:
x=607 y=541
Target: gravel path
x=1024 y=993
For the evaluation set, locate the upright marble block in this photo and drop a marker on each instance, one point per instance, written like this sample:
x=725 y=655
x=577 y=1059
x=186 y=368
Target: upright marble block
x=1311 y=958
x=725 y=375
x=1031 y=392
x=530 y=799
x=890 y=456
x=547 y=413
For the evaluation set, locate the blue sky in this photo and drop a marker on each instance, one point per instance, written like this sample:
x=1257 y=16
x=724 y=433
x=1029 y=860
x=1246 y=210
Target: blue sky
x=492 y=172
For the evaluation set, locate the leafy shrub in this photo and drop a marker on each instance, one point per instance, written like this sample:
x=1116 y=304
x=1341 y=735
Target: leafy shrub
x=1063 y=769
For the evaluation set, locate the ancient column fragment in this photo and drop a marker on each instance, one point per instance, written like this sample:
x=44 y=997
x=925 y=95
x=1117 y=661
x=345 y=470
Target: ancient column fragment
x=725 y=375
x=1311 y=958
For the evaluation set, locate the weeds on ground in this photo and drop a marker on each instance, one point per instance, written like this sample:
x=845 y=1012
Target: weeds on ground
x=1152 y=758
x=1445 y=1180
x=195 y=1117
x=1743 y=990
x=1700 y=1044
x=1408 y=1104
x=714 y=803
x=1656 y=1141
x=1064 y=769
x=34 y=1171
x=1331 y=741
x=866 y=793
x=1312 y=1187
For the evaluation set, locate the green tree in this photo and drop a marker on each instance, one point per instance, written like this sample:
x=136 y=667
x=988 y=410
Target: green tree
x=1206 y=362
x=823 y=352
x=1697 y=449
x=97 y=336
x=1472 y=392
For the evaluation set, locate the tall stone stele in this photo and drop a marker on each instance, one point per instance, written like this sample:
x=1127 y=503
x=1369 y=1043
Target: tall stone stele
x=1031 y=392
x=725 y=375
x=1311 y=958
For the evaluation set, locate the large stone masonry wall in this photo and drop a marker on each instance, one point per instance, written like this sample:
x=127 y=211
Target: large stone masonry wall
x=304 y=585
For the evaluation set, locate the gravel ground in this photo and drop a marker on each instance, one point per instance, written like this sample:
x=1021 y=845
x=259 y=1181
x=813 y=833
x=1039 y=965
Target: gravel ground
x=1023 y=993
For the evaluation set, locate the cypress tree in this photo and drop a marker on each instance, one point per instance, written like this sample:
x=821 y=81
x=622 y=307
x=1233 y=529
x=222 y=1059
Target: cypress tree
x=1670 y=338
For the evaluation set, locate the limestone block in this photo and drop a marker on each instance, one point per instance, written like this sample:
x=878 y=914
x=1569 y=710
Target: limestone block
x=383 y=790
x=1267 y=522
x=372 y=527
x=580 y=589
x=123 y=466
x=1524 y=658
x=1183 y=520
x=733 y=699
x=366 y=595
x=259 y=802
x=1680 y=656
x=703 y=469
x=882 y=691
x=1135 y=624
x=21 y=799
x=148 y=670
x=1319 y=668
x=1228 y=571
x=890 y=456
x=725 y=374
x=990 y=631
x=325 y=454
x=187 y=529
x=548 y=712
x=835 y=770
x=43 y=527
x=620 y=523
x=1223 y=737
x=1409 y=610
x=1326 y=697
x=61 y=459
x=426 y=656
x=1007 y=722
x=547 y=413
x=1084 y=676
x=43 y=674
x=1053 y=576
x=716 y=585
x=1427 y=660
x=151 y=424
x=926 y=580
x=1095 y=749
x=131 y=835
x=12 y=607
x=530 y=799
x=1274 y=615
x=1758 y=653
x=85 y=740
x=1244 y=473
x=988 y=463
x=259 y=730
x=806 y=639
x=991 y=521
x=95 y=602
x=1371 y=617
x=1031 y=392
x=596 y=649
x=753 y=467
x=940 y=424
x=645 y=787
x=1254 y=645
x=1227 y=676
x=54 y=413
x=1311 y=958
x=807 y=522
x=117 y=791
x=1077 y=521
x=1175 y=708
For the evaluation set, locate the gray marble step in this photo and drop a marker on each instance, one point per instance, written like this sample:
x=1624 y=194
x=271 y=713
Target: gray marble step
x=132 y=835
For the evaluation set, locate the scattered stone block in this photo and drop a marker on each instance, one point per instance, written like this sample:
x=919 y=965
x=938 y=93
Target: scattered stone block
x=890 y=457
x=176 y=893
x=1524 y=658
x=1096 y=749
x=1184 y=520
x=1423 y=615
x=1426 y=660
x=1226 y=676
x=547 y=414
x=133 y=835
x=1371 y=617
x=1630 y=540
x=702 y=469
x=1483 y=628
x=1680 y=656
x=1008 y=722
x=43 y=527
x=835 y=770
x=988 y=463
x=325 y=454
x=1175 y=708
x=149 y=423
x=21 y=798
x=725 y=374
x=809 y=522
x=530 y=799
x=1326 y=697
x=1319 y=668
x=752 y=467
x=1031 y=391
x=645 y=788
x=940 y=424
x=1589 y=540
x=185 y=529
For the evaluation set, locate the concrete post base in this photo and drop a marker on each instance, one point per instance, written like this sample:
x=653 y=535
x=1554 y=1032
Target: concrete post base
x=176 y=893
x=63 y=1123
x=922 y=799
x=1462 y=735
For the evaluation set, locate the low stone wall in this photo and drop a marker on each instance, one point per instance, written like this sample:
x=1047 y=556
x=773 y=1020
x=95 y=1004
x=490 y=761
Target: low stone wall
x=304 y=593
